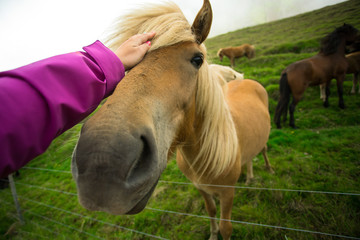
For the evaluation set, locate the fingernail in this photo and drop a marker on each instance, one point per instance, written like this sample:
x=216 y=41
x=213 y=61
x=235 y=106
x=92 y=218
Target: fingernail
x=148 y=43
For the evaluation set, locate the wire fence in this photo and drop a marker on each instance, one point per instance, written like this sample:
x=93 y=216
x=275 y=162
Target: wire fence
x=17 y=199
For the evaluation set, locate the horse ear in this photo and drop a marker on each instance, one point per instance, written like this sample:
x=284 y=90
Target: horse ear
x=202 y=23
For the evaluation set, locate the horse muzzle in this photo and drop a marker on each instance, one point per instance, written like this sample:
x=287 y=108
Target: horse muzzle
x=116 y=172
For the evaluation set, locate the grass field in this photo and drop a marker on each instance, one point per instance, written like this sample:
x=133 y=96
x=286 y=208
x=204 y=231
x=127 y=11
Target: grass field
x=322 y=155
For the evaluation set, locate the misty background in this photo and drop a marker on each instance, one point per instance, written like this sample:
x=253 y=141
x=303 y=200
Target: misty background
x=32 y=30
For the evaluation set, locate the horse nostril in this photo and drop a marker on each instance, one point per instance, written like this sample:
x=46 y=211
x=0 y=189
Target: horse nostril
x=142 y=164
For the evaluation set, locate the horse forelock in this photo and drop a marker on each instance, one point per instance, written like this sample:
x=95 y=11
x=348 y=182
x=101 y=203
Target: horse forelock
x=217 y=134
x=166 y=19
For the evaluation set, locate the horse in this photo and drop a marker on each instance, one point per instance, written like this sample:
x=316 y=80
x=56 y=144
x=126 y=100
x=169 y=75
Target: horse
x=353 y=60
x=237 y=52
x=329 y=63
x=226 y=73
x=170 y=102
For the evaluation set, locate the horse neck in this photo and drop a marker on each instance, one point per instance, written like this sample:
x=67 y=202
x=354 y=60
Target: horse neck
x=211 y=143
x=341 y=48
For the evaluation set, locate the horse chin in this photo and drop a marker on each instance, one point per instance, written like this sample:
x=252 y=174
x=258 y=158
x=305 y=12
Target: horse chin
x=142 y=203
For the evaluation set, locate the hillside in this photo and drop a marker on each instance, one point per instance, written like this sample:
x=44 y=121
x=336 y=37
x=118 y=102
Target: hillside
x=314 y=193
x=305 y=30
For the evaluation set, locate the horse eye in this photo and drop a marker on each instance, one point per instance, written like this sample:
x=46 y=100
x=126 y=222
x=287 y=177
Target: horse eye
x=197 y=61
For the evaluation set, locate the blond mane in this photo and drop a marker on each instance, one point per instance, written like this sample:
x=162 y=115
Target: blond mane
x=217 y=136
x=166 y=19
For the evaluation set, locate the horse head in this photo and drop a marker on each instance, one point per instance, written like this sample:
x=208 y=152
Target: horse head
x=220 y=54
x=124 y=147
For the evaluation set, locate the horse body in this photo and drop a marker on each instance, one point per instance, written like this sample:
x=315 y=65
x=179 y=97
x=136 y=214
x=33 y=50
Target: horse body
x=248 y=104
x=237 y=52
x=353 y=60
x=320 y=69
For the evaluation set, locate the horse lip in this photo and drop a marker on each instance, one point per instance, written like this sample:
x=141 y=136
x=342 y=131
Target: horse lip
x=142 y=203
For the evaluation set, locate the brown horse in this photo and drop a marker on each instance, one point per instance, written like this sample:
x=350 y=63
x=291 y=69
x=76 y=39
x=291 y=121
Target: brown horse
x=237 y=52
x=329 y=63
x=354 y=68
x=169 y=102
x=353 y=60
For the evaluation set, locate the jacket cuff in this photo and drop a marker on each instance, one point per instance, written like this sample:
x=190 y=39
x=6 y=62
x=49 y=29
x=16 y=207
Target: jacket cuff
x=109 y=63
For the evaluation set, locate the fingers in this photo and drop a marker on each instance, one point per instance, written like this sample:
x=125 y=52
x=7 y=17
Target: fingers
x=145 y=46
x=145 y=37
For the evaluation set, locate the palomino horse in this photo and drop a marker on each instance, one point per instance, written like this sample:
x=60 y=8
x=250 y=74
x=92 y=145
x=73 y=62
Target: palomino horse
x=329 y=63
x=169 y=102
x=237 y=52
x=353 y=60
x=227 y=73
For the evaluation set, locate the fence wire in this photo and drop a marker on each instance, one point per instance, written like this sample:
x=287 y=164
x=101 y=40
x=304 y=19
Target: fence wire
x=167 y=211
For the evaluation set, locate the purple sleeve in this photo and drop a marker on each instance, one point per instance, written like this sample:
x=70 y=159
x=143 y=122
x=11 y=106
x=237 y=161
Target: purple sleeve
x=40 y=101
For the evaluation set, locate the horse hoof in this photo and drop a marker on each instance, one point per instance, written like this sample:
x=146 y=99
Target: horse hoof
x=270 y=170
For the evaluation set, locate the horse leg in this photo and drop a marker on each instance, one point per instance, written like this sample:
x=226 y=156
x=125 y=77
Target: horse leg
x=285 y=114
x=249 y=173
x=339 y=82
x=266 y=159
x=356 y=81
x=232 y=62
x=211 y=209
x=322 y=92
x=292 y=110
x=353 y=89
x=226 y=203
x=327 y=94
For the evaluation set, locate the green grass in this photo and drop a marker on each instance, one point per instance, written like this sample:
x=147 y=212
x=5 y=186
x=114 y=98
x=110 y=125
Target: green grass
x=322 y=155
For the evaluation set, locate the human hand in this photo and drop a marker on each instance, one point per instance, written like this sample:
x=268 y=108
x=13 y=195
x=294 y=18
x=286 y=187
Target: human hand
x=132 y=51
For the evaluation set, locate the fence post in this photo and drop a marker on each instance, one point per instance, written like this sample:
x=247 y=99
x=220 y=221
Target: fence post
x=14 y=194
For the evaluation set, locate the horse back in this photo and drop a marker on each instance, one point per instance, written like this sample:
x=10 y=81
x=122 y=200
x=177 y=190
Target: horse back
x=248 y=102
x=315 y=71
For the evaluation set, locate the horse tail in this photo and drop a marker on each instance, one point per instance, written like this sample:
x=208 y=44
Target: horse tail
x=284 y=100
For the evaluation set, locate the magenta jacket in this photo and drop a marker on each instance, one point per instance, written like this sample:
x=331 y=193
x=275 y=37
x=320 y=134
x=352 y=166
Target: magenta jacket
x=40 y=101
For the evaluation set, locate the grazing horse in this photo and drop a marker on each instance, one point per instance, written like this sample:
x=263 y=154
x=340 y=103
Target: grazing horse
x=329 y=63
x=237 y=52
x=353 y=60
x=170 y=102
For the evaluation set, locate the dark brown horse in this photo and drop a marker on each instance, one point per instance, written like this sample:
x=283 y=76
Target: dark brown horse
x=353 y=60
x=329 y=63
x=237 y=52
x=354 y=68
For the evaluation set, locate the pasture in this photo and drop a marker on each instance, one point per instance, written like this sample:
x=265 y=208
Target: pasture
x=323 y=155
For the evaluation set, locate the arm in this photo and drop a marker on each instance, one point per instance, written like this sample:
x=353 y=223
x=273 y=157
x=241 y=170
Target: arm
x=42 y=100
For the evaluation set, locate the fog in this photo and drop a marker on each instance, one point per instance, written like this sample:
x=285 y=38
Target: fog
x=31 y=30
